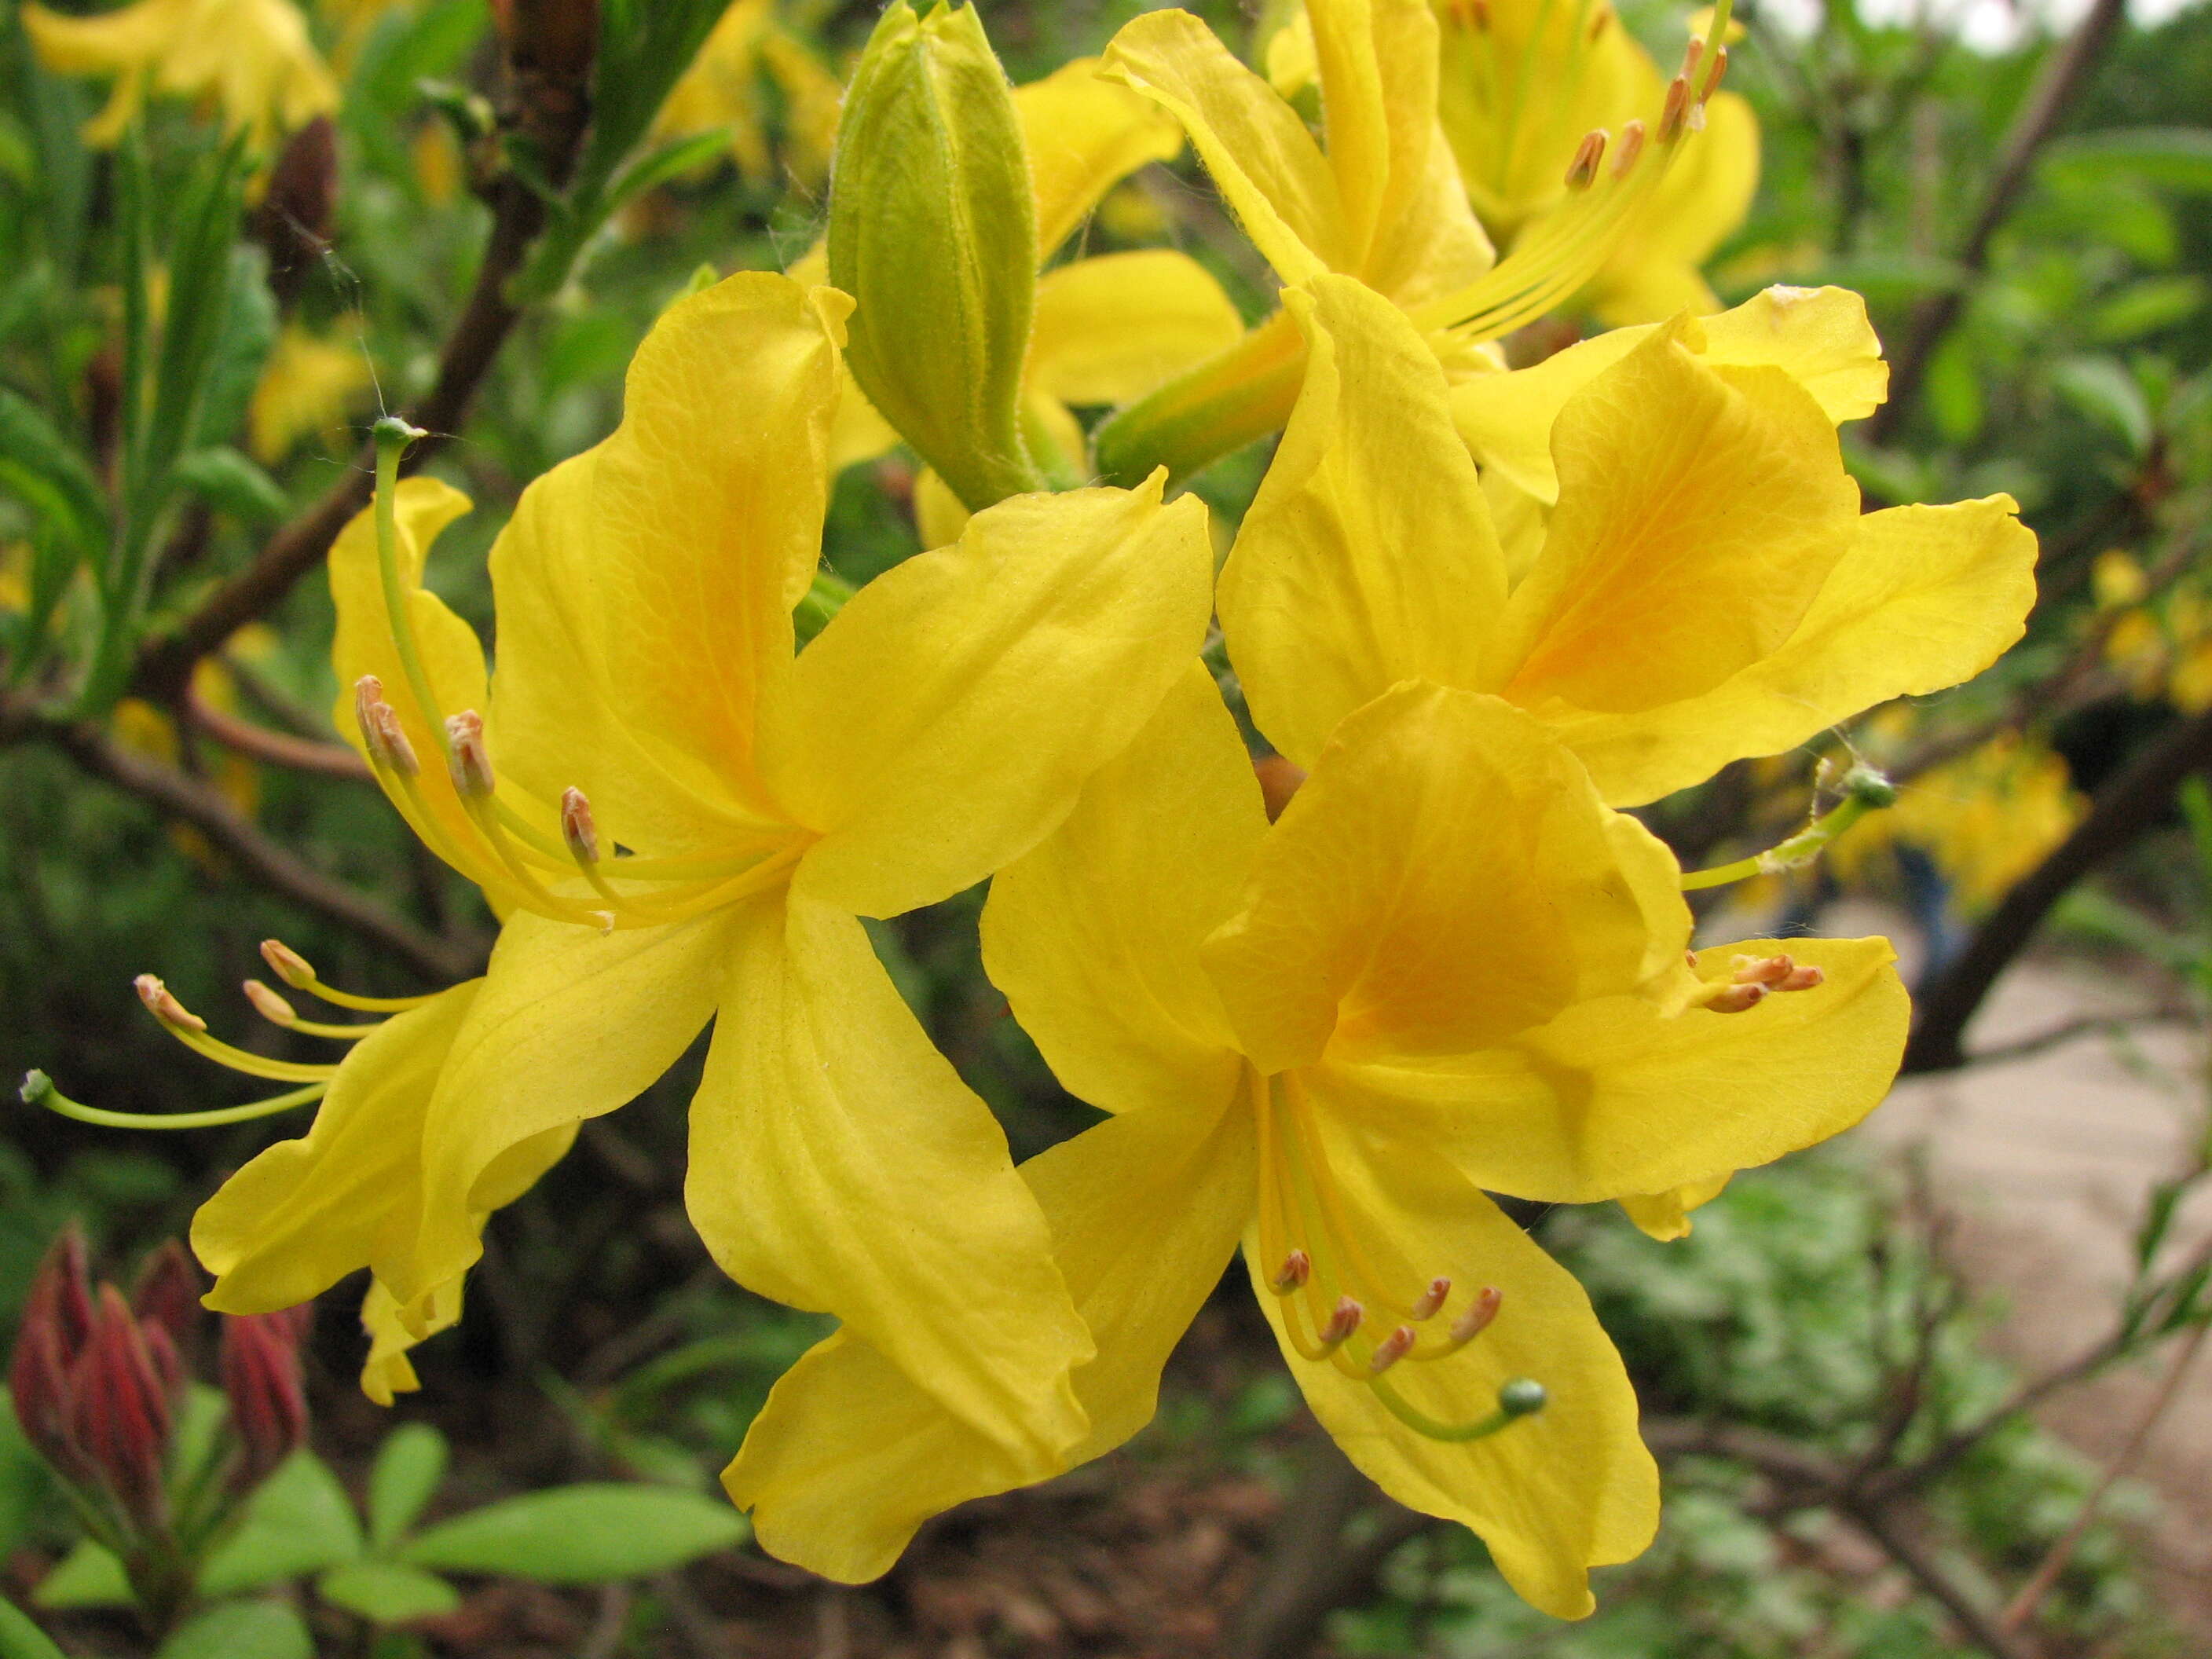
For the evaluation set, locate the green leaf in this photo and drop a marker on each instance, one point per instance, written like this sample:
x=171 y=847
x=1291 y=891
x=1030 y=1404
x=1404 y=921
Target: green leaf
x=586 y=1534
x=25 y=1486
x=241 y=350
x=2147 y=306
x=242 y=1630
x=409 y=1466
x=21 y=1639
x=2178 y=157
x=88 y=1577
x=388 y=1593
x=47 y=472
x=230 y=483
x=2102 y=389
x=299 y=1522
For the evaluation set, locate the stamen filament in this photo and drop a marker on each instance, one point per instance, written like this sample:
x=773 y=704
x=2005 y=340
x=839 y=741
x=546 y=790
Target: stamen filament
x=1865 y=790
x=280 y=1013
x=297 y=972
x=39 y=1090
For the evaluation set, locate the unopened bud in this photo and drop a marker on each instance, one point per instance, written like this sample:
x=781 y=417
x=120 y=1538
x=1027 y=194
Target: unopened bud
x=1631 y=147
x=288 y=964
x=164 y=1006
x=1737 y=998
x=933 y=231
x=1342 y=1322
x=1391 y=1349
x=578 y=828
x=1479 y=1314
x=1297 y=1268
x=1582 y=171
x=122 y=1409
x=166 y=1301
x=267 y=1394
x=467 y=756
x=1803 y=978
x=55 y=1325
x=1426 y=1304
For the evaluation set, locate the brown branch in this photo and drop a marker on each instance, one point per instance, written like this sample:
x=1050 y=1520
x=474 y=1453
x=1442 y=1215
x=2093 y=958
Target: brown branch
x=549 y=109
x=2061 y=80
x=1884 y=1524
x=330 y=760
x=2022 y=1607
x=2129 y=803
x=189 y=800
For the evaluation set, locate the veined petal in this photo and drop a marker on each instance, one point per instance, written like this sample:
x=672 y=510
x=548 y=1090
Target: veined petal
x=645 y=588
x=1704 y=197
x=1094 y=936
x=1445 y=878
x=944 y=722
x=1429 y=242
x=1700 y=510
x=571 y=1024
x=850 y=1455
x=1368 y=556
x=1927 y=596
x=1108 y=329
x=1269 y=171
x=1820 y=337
x=1617 y=1099
x=1552 y=1494
x=304 y=1213
x=838 y=1163
x=1084 y=134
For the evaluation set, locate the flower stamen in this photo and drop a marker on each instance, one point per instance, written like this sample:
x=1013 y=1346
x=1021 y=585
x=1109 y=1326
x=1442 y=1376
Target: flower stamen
x=296 y=971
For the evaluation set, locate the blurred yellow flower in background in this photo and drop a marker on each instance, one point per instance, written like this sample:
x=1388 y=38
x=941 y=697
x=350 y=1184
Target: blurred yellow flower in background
x=308 y=387
x=251 y=59
x=764 y=85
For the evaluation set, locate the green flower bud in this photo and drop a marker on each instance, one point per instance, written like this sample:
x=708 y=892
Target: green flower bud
x=932 y=230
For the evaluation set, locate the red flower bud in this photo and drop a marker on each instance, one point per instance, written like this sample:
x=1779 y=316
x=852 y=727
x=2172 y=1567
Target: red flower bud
x=122 y=1409
x=268 y=1396
x=166 y=1300
x=57 y=1322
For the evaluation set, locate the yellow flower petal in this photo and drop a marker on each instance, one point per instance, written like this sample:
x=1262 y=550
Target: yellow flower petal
x=1927 y=596
x=850 y=1457
x=645 y=588
x=1367 y=557
x=304 y=1213
x=838 y=1163
x=1616 y=1098
x=1108 y=329
x=1445 y=878
x=1666 y=1216
x=1429 y=243
x=1700 y=509
x=570 y=1023
x=1554 y=1494
x=944 y=721
x=1084 y=134
x=1094 y=936
x=388 y=1371
x=1820 y=336
x=1269 y=171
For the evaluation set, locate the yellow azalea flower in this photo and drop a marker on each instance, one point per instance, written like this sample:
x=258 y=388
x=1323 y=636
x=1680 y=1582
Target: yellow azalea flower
x=1522 y=81
x=725 y=87
x=1104 y=329
x=1447 y=971
x=251 y=58
x=1705 y=590
x=306 y=387
x=1986 y=819
x=683 y=822
x=1378 y=198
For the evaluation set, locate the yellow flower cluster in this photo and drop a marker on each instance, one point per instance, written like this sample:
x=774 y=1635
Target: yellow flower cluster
x=1476 y=612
